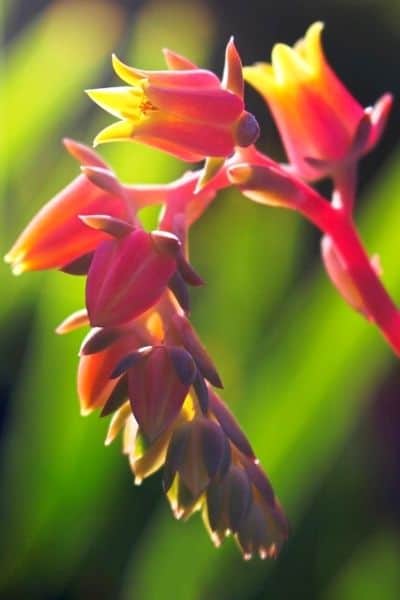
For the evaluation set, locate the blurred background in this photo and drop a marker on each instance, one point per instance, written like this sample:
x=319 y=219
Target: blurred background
x=314 y=387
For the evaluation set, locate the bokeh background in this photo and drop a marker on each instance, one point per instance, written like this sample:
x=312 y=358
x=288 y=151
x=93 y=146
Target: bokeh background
x=315 y=388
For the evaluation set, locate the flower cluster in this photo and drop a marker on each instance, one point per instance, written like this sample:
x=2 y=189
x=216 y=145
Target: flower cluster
x=142 y=361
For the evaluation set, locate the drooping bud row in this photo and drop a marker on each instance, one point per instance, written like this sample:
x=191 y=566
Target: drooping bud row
x=204 y=471
x=145 y=375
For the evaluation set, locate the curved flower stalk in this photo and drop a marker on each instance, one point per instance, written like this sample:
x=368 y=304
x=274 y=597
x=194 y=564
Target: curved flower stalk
x=142 y=361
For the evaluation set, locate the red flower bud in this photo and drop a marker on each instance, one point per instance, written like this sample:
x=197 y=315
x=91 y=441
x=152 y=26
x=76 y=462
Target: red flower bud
x=157 y=390
x=126 y=277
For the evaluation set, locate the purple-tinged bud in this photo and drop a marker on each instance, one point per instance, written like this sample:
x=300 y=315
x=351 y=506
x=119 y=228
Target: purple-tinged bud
x=193 y=345
x=269 y=185
x=178 y=287
x=214 y=446
x=117 y=398
x=99 y=339
x=165 y=242
x=260 y=480
x=229 y=424
x=196 y=454
x=187 y=272
x=184 y=364
x=130 y=360
x=103 y=178
x=247 y=130
x=117 y=228
x=262 y=530
x=79 y=266
x=156 y=392
x=228 y=501
x=253 y=535
x=201 y=389
x=239 y=496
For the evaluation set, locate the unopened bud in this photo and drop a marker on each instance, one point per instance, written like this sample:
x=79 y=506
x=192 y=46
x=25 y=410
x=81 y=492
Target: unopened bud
x=247 y=130
x=117 y=228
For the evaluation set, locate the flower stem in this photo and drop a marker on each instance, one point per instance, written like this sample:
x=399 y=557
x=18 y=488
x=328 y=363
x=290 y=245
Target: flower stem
x=345 y=185
x=376 y=299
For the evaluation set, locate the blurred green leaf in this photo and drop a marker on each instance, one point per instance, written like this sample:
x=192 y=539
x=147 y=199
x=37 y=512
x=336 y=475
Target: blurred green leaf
x=373 y=572
x=45 y=78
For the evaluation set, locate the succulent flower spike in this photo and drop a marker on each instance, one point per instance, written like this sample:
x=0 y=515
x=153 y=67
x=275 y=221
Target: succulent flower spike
x=317 y=117
x=142 y=361
x=185 y=111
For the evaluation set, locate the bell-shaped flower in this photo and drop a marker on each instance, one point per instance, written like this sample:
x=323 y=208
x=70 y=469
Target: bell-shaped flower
x=186 y=111
x=322 y=126
x=56 y=236
x=198 y=453
x=128 y=275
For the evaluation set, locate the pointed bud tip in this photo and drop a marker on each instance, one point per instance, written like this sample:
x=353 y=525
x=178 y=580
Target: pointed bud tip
x=115 y=227
x=240 y=174
x=247 y=130
x=165 y=242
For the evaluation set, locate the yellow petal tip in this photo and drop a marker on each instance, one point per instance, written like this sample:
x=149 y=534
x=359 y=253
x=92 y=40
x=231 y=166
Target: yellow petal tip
x=125 y=72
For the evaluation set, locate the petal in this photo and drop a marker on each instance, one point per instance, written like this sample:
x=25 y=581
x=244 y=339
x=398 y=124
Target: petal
x=188 y=140
x=156 y=393
x=233 y=71
x=229 y=424
x=177 y=62
x=117 y=132
x=188 y=77
x=216 y=106
x=122 y=102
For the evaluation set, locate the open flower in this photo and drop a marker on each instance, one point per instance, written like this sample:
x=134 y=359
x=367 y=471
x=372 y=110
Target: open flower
x=185 y=111
x=321 y=124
